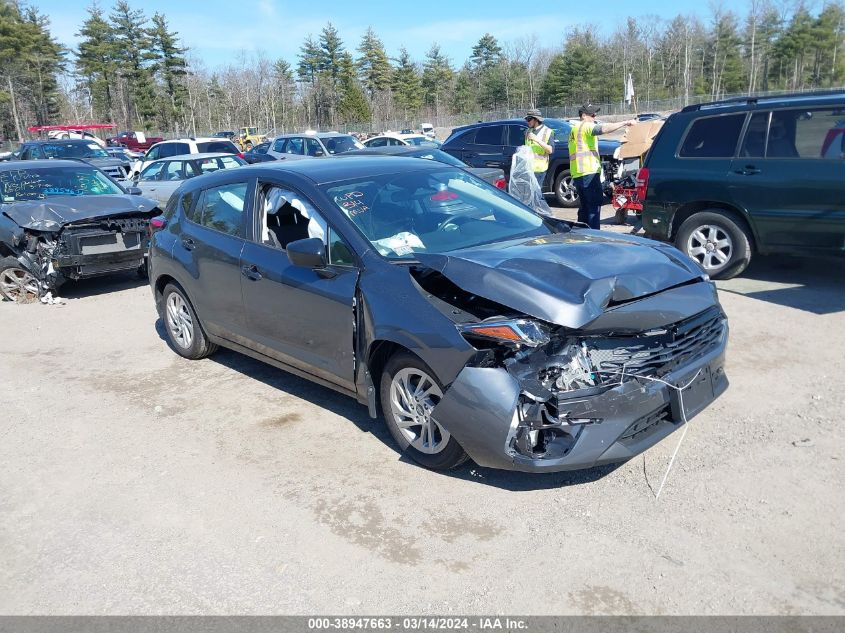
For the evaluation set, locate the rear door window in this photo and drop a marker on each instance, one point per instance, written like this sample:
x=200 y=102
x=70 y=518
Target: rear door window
x=222 y=208
x=217 y=146
x=489 y=135
x=713 y=137
x=174 y=170
x=754 y=143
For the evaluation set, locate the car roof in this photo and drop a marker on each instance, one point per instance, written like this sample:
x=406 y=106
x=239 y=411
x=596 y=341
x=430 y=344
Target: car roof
x=32 y=165
x=553 y=120
x=826 y=97
x=390 y=150
x=200 y=155
x=198 y=139
x=59 y=140
x=324 y=171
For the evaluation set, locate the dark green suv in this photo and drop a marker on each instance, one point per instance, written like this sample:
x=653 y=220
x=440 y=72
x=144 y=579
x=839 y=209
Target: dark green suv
x=729 y=179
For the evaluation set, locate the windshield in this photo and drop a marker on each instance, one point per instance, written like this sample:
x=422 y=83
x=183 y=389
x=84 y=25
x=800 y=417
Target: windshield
x=561 y=128
x=74 y=150
x=421 y=141
x=435 y=154
x=37 y=184
x=340 y=144
x=432 y=212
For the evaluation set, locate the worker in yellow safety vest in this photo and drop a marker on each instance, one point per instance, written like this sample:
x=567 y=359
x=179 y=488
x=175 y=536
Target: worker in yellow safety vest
x=585 y=162
x=540 y=138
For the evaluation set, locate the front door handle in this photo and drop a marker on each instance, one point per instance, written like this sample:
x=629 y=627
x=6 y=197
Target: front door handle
x=748 y=170
x=493 y=163
x=251 y=272
x=188 y=243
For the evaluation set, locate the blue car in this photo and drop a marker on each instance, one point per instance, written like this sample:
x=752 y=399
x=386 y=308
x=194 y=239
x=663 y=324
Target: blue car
x=492 y=144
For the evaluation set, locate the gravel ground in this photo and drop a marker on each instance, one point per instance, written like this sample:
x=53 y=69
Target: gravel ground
x=135 y=482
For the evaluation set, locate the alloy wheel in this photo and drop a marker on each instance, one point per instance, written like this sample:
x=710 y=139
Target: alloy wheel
x=179 y=321
x=19 y=285
x=710 y=246
x=567 y=191
x=413 y=395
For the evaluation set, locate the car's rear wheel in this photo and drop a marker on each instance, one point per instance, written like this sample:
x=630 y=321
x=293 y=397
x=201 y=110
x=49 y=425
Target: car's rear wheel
x=184 y=332
x=718 y=241
x=17 y=284
x=409 y=393
x=565 y=192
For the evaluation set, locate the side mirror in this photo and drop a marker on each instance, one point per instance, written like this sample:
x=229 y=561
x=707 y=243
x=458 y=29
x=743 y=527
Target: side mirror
x=308 y=253
x=134 y=191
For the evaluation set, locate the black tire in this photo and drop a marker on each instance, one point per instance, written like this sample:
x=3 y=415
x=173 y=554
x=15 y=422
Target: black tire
x=143 y=271
x=565 y=192
x=199 y=346
x=450 y=454
x=718 y=240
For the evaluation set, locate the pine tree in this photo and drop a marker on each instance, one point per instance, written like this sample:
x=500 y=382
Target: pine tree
x=134 y=52
x=436 y=78
x=170 y=66
x=309 y=60
x=96 y=61
x=331 y=53
x=407 y=91
x=463 y=100
x=352 y=106
x=373 y=66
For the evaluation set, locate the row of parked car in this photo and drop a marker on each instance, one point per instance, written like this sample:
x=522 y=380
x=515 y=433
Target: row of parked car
x=479 y=329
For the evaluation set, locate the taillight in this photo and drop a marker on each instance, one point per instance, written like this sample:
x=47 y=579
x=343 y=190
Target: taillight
x=240 y=154
x=642 y=183
x=501 y=183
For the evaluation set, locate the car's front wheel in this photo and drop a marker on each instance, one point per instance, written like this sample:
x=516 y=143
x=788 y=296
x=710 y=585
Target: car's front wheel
x=409 y=393
x=184 y=332
x=17 y=284
x=718 y=240
x=565 y=192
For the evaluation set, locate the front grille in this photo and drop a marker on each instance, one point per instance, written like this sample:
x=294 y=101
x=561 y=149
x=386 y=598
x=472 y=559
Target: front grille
x=659 y=351
x=646 y=425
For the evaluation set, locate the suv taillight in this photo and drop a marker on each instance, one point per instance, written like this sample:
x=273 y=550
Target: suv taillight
x=642 y=183
x=501 y=183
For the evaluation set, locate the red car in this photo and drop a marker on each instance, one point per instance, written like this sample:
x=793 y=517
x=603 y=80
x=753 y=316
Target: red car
x=135 y=141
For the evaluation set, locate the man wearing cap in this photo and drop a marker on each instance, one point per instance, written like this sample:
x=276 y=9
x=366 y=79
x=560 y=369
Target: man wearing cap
x=540 y=138
x=585 y=163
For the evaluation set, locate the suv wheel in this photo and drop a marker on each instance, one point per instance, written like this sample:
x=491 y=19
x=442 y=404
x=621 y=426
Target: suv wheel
x=184 y=332
x=565 y=192
x=409 y=392
x=718 y=241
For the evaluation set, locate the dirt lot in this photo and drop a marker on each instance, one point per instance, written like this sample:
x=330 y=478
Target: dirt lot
x=137 y=482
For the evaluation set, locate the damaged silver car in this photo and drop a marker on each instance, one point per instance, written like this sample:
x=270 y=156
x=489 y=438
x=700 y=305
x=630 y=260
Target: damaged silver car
x=480 y=329
x=65 y=219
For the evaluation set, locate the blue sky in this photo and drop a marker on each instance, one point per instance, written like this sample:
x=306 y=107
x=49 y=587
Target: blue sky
x=216 y=30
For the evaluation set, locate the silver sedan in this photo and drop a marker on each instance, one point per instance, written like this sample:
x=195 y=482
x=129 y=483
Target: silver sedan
x=161 y=178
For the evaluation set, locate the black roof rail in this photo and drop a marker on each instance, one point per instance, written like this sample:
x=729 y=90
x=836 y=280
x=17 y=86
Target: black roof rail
x=756 y=99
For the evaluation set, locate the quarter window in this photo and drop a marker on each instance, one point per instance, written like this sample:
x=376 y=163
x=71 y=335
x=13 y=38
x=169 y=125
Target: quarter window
x=222 y=208
x=313 y=147
x=713 y=137
x=339 y=252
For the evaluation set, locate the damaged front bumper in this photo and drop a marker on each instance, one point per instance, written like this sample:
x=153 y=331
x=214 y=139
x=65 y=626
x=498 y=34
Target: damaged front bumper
x=493 y=417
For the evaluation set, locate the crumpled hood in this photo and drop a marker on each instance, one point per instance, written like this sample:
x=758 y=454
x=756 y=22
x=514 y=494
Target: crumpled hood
x=567 y=278
x=51 y=213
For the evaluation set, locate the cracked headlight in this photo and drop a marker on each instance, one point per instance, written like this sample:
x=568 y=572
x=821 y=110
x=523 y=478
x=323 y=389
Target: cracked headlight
x=511 y=331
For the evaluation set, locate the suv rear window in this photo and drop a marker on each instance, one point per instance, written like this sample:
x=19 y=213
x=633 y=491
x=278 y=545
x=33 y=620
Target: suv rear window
x=713 y=137
x=217 y=146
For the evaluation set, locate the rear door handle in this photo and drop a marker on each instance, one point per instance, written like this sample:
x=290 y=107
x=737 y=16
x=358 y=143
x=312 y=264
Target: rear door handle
x=188 y=243
x=251 y=272
x=493 y=163
x=748 y=170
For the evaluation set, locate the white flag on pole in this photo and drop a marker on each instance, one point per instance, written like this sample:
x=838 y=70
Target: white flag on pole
x=629 y=89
